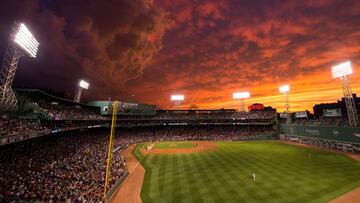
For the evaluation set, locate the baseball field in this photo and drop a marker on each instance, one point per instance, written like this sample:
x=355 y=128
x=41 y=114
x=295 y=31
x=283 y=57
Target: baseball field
x=283 y=173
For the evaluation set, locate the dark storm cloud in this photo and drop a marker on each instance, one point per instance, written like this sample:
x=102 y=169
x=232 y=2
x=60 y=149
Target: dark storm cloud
x=125 y=34
x=105 y=42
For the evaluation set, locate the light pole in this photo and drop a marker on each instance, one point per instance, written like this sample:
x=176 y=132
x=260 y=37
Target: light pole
x=21 y=42
x=241 y=96
x=285 y=90
x=82 y=85
x=342 y=71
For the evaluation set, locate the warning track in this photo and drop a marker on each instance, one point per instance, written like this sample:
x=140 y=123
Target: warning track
x=129 y=191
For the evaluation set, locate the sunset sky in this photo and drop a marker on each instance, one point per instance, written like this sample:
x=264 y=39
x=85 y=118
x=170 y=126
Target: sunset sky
x=146 y=50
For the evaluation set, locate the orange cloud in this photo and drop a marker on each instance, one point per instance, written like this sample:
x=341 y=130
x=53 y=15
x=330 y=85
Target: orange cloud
x=255 y=47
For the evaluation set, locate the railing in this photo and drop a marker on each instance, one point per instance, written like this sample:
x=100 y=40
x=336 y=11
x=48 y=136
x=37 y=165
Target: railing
x=112 y=191
x=8 y=139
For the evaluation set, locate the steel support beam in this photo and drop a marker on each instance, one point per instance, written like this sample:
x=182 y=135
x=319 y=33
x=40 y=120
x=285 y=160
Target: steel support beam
x=8 y=101
x=349 y=101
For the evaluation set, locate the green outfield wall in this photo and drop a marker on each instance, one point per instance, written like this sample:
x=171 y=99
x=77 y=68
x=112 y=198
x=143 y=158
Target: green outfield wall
x=344 y=134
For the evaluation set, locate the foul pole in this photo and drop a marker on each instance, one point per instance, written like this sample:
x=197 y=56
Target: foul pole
x=112 y=133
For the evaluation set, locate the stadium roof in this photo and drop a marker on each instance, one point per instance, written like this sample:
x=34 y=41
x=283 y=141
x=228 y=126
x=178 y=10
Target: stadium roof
x=52 y=97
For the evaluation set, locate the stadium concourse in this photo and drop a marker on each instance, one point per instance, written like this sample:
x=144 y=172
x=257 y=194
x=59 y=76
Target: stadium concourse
x=54 y=150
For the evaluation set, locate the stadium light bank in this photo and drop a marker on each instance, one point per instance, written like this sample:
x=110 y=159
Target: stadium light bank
x=82 y=85
x=177 y=99
x=241 y=96
x=285 y=90
x=342 y=71
x=22 y=42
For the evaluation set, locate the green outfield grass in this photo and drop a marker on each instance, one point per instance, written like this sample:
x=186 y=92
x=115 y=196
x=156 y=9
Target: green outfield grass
x=284 y=173
x=174 y=145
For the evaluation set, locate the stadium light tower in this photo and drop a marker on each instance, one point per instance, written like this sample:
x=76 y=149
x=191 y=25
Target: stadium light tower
x=21 y=42
x=241 y=96
x=342 y=71
x=82 y=85
x=285 y=90
x=177 y=99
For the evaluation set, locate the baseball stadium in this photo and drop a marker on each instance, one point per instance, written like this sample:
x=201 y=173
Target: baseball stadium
x=99 y=142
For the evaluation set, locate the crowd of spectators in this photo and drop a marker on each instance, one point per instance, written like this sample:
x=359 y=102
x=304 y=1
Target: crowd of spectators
x=13 y=126
x=255 y=115
x=73 y=117
x=57 y=111
x=252 y=115
x=181 y=133
x=10 y=126
x=70 y=167
x=65 y=168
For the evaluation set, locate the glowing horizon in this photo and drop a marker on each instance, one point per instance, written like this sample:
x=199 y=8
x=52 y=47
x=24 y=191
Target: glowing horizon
x=304 y=95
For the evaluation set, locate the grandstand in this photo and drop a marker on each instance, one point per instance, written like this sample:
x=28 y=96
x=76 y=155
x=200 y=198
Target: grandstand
x=41 y=114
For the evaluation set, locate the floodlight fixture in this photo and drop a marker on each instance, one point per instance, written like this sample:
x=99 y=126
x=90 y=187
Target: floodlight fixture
x=177 y=97
x=26 y=40
x=241 y=95
x=284 y=89
x=84 y=84
x=341 y=70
